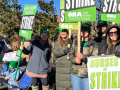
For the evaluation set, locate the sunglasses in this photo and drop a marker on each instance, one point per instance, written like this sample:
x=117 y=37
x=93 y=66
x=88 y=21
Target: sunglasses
x=111 y=33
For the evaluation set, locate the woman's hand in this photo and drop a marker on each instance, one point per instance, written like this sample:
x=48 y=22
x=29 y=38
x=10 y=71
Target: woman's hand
x=79 y=55
x=6 y=78
x=22 y=47
x=78 y=60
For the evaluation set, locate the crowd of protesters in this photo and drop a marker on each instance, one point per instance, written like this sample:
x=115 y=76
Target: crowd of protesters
x=72 y=73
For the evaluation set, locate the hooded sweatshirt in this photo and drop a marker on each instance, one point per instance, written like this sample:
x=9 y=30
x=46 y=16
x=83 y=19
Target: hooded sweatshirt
x=113 y=47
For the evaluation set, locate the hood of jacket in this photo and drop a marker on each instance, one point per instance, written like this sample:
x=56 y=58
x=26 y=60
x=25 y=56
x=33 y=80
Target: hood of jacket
x=110 y=27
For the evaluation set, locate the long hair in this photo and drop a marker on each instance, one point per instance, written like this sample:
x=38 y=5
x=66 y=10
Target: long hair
x=61 y=42
x=109 y=42
x=109 y=45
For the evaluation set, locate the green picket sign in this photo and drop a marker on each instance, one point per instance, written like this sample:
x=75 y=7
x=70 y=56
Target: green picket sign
x=29 y=9
x=73 y=26
x=110 y=17
x=85 y=14
x=25 y=33
x=62 y=4
x=26 y=26
x=18 y=53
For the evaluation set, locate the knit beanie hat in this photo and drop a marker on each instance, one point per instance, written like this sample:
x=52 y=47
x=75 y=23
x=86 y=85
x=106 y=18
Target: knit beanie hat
x=0 y=59
x=63 y=30
x=102 y=23
x=12 y=65
x=43 y=30
x=86 y=26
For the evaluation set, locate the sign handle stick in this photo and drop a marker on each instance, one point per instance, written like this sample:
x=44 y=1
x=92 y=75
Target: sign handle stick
x=79 y=36
x=113 y=23
x=19 y=59
x=69 y=44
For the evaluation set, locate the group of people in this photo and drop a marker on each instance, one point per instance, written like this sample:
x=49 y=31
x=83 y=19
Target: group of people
x=72 y=73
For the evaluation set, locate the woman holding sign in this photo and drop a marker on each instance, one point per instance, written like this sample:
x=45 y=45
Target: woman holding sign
x=60 y=50
x=79 y=70
x=39 y=60
x=113 y=41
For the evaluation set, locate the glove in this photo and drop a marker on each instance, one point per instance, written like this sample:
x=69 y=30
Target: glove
x=70 y=41
x=117 y=54
x=67 y=50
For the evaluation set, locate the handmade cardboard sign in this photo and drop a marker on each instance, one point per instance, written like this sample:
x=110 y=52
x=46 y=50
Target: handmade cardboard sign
x=104 y=73
x=27 y=21
x=12 y=56
x=111 y=11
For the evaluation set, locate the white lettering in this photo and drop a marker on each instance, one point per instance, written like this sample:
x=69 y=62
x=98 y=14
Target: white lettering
x=27 y=22
x=106 y=6
x=74 y=14
x=87 y=3
x=73 y=4
x=111 y=16
x=62 y=16
x=115 y=6
x=78 y=3
x=68 y=4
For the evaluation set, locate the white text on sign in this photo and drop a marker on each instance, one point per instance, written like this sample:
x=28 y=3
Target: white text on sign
x=110 y=6
x=27 y=22
x=77 y=4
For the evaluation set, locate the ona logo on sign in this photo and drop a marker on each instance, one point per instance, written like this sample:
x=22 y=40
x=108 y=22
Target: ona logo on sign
x=24 y=32
x=67 y=26
x=111 y=16
x=74 y=14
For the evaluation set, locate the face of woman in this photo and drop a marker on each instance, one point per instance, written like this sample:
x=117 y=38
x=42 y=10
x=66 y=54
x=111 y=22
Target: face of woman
x=84 y=33
x=63 y=34
x=113 y=34
x=44 y=36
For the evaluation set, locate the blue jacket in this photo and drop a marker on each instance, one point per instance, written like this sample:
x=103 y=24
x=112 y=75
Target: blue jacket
x=11 y=74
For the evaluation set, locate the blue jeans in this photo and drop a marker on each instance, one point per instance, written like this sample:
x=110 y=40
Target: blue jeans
x=79 y=83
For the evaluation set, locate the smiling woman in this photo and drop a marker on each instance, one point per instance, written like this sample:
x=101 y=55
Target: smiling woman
x=112 y=38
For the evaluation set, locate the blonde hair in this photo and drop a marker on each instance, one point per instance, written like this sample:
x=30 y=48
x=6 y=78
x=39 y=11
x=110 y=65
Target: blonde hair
x=60 y=41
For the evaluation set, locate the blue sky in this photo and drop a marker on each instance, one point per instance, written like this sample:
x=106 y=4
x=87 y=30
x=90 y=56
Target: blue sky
x=35 y=2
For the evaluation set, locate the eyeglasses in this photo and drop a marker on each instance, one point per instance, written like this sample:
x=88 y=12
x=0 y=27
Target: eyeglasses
x=111 y=33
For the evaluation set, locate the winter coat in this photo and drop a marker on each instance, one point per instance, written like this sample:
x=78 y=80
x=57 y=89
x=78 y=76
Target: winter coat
x=101 y=40
x=11 y=74
x=63 y=67
x=91 y=49
x=39 y=60
x=115 y=47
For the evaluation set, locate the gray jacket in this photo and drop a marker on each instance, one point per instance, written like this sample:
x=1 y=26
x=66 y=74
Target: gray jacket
x=39 y=60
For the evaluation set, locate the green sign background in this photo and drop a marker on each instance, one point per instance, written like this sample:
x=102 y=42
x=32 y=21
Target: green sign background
x=73 y=26
x=62 y=4
x=110 y=17
x=85 y=14
x=25 y=33
x=29 y=9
